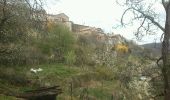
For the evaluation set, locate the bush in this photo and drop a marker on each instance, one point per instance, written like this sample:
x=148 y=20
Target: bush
x=57 y=43
x=70 y=58
x=121 y=48
x=85 y=51
x=105 y=73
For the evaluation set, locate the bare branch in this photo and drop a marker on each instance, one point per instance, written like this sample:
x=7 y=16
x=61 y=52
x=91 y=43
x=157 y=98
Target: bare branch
x=143 y=14
x=141 y=25
x=162 y=37
x=117 y=1
x=27 y=1
x=124 y=15
x=163 y=3
x=157 y=62
x=151 y=19
x=148 y=27
x=4 y=6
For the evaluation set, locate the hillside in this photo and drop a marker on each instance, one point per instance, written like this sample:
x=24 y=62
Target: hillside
x=152 y=45
x=39 y=51
x=155 y=49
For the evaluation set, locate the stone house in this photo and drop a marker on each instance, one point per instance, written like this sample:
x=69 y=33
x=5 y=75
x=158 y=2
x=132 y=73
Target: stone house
x=82 y=29
x=61 y=19
x=58 y=18
x=77 y=28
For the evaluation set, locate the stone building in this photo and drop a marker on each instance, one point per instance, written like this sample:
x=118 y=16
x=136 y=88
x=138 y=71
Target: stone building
x=76 y=28
x=61 y=19
x=82 y=29
x=58 y=18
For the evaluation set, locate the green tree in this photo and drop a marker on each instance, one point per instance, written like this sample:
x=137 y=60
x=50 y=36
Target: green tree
x=57 y=43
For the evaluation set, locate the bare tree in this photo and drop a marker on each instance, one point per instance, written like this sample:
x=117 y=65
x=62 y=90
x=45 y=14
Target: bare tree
x=144 y=12
x=31 y=11
x=17 y=18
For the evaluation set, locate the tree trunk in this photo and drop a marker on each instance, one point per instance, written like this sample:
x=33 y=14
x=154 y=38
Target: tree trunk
x=165 y=54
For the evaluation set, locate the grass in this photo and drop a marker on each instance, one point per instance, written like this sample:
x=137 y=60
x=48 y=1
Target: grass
x=60 y=74
x=99 y=93
x=4 y=97
x=59 y=70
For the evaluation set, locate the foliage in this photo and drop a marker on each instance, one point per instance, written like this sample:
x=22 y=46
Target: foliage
x=105 y=73
x=16 y=20
x=63 y=37
x=3 y=97
x=70 y=58
x=60 y=42
x=84 y=51
x=121 y=48
x=39 y=49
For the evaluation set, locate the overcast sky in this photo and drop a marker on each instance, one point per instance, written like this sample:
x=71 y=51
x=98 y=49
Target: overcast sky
x=98 y=13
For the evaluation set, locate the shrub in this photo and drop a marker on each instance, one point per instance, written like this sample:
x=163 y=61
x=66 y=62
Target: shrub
x=121 y=48
x=70 y=58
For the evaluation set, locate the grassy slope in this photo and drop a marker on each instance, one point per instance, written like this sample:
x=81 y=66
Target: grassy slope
x=58 y=74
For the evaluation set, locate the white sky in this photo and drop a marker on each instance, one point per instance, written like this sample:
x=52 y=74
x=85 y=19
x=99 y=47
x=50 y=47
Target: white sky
x=98 y=13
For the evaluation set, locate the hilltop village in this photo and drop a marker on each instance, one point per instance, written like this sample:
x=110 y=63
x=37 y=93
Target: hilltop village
x=85 y=30
x=63 y=18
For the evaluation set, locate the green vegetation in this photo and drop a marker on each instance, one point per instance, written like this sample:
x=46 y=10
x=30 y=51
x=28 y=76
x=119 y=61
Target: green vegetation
x=70 y=58
x=60 y=74
x=3 y=97
x=85 y=67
